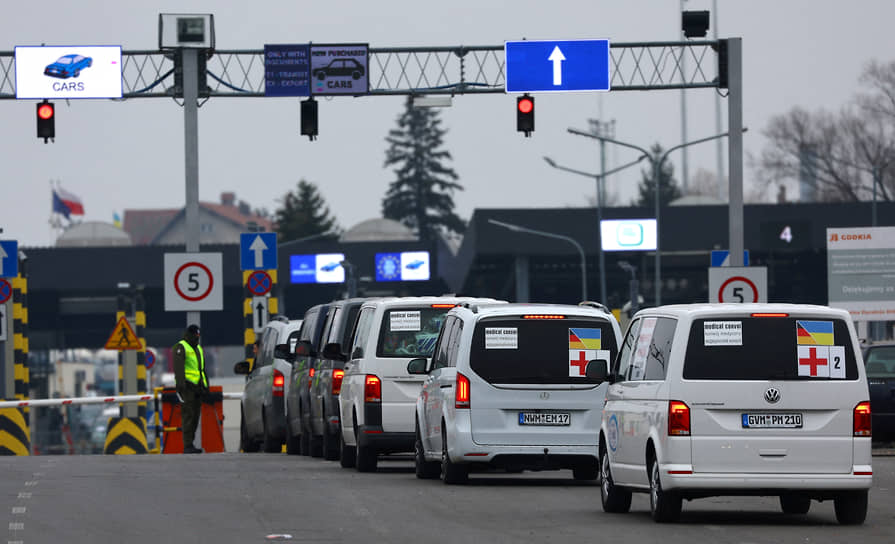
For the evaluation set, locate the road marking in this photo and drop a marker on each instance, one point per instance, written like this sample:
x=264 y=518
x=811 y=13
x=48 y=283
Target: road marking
x=19 y=509
x=24 y=494
x=15 y=542
x=16 y=526
x=31 y=483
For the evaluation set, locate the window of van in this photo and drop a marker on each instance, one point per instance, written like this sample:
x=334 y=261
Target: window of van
x=549 y=351
x=646 y=350
x=880 y=362
x=769 y=348
x=410 y=332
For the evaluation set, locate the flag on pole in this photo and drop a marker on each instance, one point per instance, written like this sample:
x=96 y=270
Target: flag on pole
x=66 y=203
x=116 y=219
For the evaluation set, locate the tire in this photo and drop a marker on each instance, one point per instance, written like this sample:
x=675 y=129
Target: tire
x=588 y=471
x=292 y=444
x=330 y=446
x=355 y=75
x=347 y=454
x=304 y=439
x=451 y=473
x=321 y=75
x=425 y=470
x=366 y=459
x=665 y=506
x=851 y=507
x=268 y=443
x=795 y=504
x=246 y=444
x=315 y=446
x=615 y=499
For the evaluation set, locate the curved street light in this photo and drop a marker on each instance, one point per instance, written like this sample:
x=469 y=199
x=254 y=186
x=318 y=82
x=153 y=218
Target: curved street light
x=519 y=228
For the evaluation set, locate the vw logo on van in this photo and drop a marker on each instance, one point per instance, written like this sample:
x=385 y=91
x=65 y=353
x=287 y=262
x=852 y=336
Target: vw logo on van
x=772 y=395
x=544 y=395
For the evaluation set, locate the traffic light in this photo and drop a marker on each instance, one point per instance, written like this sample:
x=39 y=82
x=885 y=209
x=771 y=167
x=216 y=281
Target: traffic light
x=46 y=120
x=525 y=114
x=309 y=118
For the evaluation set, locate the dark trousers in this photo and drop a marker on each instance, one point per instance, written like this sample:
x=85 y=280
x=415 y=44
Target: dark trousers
x=190 y=411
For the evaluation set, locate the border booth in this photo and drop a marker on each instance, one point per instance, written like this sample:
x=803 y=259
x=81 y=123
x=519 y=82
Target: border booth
x=211 y=421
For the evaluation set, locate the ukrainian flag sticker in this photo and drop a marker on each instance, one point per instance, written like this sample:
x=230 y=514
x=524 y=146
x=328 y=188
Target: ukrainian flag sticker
x=585 y=339
x=814 y=333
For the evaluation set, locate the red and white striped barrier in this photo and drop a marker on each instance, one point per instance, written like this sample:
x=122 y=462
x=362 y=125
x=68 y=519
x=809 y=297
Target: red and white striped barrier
x=90 y=400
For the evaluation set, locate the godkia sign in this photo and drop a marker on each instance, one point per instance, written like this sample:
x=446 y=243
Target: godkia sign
x=861 y=272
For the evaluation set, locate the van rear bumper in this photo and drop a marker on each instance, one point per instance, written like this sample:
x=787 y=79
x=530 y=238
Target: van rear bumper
x=372 y=436
x=710 y=484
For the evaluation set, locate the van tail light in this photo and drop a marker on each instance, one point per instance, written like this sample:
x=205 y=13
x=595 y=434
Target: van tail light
x=338 y=374
x=770 y=314
x=543 y=316
x=372 y=389
x=862 y=419
x=443 y=305
x=278 y=382
x=461 y=392
x=311 y=372
x=310 y=378
x=678 y=418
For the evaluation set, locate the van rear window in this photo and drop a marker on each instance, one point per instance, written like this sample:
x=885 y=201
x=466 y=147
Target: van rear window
x=770 y=348
x=546 y=351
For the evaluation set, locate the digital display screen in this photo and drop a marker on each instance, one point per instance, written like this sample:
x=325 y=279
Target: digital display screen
x=628 y=234
x=68 y=72
x=403 y=266
x=318 y=268
x=785 y=235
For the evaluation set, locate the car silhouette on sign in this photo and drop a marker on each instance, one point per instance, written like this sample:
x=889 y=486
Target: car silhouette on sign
x=340 y=67
x=330 y=267
x=68 y=66
x=415 y=264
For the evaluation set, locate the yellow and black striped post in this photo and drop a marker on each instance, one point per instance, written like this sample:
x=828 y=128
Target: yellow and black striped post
x=248 y=312
x=126 y=436
x=15 y=428
x=140 y=322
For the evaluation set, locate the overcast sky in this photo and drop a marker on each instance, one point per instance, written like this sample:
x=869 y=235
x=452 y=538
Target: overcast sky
x=118 y=155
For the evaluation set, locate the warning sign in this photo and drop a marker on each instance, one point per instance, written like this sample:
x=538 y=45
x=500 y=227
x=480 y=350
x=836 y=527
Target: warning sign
x=123 y=337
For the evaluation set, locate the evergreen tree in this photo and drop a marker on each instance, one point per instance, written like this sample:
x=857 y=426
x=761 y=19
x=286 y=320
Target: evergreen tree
x=668 y=189
x=421 y=196
x=303 y=213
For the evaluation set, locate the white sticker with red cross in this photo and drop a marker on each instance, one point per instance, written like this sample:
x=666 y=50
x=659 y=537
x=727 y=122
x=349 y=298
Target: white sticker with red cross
x=822 y=361
x=578 y=359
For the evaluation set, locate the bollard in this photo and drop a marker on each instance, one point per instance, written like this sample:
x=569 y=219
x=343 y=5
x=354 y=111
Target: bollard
x=212 y=420
x=172 y=433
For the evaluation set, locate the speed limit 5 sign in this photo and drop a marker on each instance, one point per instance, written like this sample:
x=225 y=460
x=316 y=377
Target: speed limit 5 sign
x=738 y=284
x=193 y=282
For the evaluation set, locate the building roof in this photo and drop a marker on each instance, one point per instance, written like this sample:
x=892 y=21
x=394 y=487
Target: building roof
x=378 y=230
x=145 y=226
x=93 y=234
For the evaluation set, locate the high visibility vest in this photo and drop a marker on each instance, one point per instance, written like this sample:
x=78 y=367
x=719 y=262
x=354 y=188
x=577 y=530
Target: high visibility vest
x=193 y=367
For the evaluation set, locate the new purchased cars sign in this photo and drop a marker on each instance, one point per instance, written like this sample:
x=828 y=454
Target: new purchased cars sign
x=68 y=72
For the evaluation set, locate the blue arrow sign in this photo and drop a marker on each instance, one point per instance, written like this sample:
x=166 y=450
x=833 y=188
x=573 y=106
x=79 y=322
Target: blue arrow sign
x=721 y=257
x=9 y=258
x=258 y=250
x=539 y=66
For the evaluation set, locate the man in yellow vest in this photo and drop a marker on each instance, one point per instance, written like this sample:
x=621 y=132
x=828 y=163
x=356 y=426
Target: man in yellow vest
x=191 y=383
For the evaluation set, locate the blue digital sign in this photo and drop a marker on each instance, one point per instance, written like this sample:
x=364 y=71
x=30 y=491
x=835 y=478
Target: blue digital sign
x=404 y=266
x=319 y=268
x=287 y=70
x=540 y=66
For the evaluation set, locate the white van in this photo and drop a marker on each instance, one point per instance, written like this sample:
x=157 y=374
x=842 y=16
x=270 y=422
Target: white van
x=507 y=388
x=738 y=399
x=378 y=394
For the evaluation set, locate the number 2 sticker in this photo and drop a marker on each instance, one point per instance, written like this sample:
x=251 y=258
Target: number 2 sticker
x=837 y=362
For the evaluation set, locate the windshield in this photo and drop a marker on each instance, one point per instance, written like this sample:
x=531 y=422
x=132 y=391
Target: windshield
x=410 y=332
x=880 y=362
x=64 y=60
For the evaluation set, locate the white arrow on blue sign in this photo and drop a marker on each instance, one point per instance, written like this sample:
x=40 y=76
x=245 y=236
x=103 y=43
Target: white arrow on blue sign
x=721 y=257
x=258 y=250
x=543 y=66
x=9 y=258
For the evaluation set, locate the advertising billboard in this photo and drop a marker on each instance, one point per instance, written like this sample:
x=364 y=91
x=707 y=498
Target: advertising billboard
x=403 y=266
x=68 y=72
x=317 y=268
x=628 y=234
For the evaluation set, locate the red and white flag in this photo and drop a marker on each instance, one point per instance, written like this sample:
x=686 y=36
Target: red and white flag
x=66 y=203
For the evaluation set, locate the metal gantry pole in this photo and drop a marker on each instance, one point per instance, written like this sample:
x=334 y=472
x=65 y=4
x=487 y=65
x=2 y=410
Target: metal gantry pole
x=190 y=64
x=657 y=169
x=735 y=150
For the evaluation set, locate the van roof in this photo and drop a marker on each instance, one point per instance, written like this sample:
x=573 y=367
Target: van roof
x=487 y=310
x=698 y=310
x=401 y=301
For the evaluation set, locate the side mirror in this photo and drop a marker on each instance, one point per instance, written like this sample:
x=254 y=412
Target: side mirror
x=597 y=370
x=417 y=366
x=304 y=349
x=333 y=350
x=242 y=367
x=281 y=351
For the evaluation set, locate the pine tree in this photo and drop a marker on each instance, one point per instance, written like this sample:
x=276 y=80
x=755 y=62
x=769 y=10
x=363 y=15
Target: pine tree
x=303 y=213
x=421 y=196
x=668 y=189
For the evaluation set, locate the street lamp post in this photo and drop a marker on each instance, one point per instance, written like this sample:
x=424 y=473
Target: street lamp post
x=657 y=167
x=601 y=183
x=518 y=228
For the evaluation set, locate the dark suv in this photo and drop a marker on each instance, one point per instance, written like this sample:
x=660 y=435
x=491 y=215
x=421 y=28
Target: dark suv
x=297 y=398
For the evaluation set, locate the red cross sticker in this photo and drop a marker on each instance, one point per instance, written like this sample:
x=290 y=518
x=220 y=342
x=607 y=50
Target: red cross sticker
x=813 y=361
x=580 y=362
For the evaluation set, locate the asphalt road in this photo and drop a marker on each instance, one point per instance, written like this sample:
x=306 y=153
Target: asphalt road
x=244 y=498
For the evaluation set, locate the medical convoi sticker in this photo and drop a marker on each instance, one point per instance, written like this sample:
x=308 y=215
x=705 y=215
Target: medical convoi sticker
x=584 y=338
x=404 y=320
x=722 y=333
x=814 y=333
x=641 y=350
x=814 y=361
x=578 y=359
x=501 y=338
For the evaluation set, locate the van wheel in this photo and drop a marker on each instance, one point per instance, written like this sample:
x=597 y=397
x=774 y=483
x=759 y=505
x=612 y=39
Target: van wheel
x=347 y=454
x=851 y=507
x=665 y=506
x=292 y=444
x=366 y=459
x=315 y=446
x=304 y=439
x=451 y=473
x=330 y=446
x=615 y=499
x=586 y=471
x=246 y=443
x=425 y=470
x=268 y=443
x=795 y=504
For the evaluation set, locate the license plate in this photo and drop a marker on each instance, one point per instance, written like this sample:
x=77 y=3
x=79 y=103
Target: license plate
x=772 y=421
x=544 y=418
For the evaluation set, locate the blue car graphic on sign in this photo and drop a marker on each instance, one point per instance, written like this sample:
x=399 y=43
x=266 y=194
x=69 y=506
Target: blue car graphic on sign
x=330 y=267
x=68 y=66
x=415 y=264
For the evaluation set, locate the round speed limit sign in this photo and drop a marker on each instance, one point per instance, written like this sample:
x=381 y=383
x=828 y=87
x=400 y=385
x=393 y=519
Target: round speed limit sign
x=193 y=282
x=738 y=284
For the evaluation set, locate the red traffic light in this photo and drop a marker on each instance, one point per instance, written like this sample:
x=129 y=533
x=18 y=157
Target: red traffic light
x=525 y=104
x=45 y=111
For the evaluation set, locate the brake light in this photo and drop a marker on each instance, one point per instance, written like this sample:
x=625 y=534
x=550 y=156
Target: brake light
x=311 y=372
x=443 y=305
x=461 y=392
x=372 y=389
x=770 y=314
x=543 y=316
x=278 y=382
x=678 y=418
x=862 y=419
x=338 y=374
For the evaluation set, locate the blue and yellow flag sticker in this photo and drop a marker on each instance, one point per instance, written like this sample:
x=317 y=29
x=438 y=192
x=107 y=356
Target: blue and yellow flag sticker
x=584 y=339
x=814 y=333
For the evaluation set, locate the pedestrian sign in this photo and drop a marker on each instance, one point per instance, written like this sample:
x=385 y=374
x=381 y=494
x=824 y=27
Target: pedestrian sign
x=123 y=337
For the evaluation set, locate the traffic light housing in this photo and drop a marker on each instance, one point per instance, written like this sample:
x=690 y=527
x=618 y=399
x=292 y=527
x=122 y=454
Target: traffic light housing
x=309 y=118
x=525 y=114
x=46 y=120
